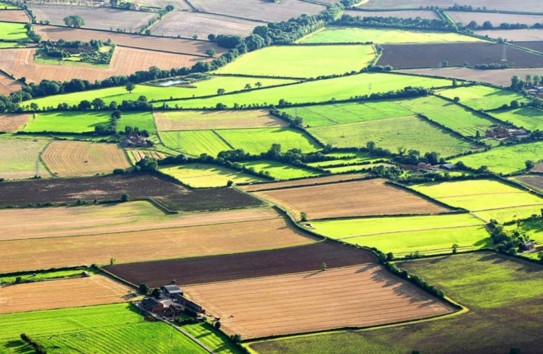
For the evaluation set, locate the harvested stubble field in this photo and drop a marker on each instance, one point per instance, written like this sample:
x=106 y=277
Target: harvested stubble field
x=105 y=18
x=14 y=16
x=46 y=295
x=20 y=158
x=12 y=122
x=104 y=328
x=159 y=244
x=302 y=182
x=125 y=61
x=108 y=188
x=464 y=18
x=496 y=77
x=187 y=24
x=138 y=155
x=425 y=14
x=81 y=158
x=198 y=120
x=8 y=85
x=204 y=175
x=504 y=5
x=355 y=296
x=518 y=35
x=356 y=198
x=514 y=288
x=535 y=45
x=455 y=54
x=259 y=10
x=185 y=46
x=242 y=265
x=336 y=34
x=299 y=61
x=110 y=219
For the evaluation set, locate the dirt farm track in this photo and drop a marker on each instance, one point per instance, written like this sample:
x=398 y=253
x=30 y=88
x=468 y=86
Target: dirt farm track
x=355 y=296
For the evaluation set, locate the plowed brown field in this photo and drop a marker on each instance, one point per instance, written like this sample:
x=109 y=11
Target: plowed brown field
x=76 y=158
x=185 y=46
x=196 y=120
x=355 y=296
x=139 y=246
x=356 y=198
x=7 y=84
x=12 y=122
x=46 y=295
x=14 y=16
x=20 y=63
x=301 y=182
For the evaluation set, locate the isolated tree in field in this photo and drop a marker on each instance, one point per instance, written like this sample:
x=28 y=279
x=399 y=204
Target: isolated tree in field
x=74 y=21
x=220 y=91
x=248 y=87
x=324 y=266
x=455 y=248
x=130 y=87
x=456 y=99
x=211 y=52
x=529 y=164
x=258 y=84
x=303 y=216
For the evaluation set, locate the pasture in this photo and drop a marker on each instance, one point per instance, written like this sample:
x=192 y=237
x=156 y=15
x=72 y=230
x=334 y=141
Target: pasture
x=193 y=240
x=141 y=120
x=356 y=198
x=355 y=296
x=63 y=293
x=67 y=122
x=392 y=134
x=206 y=87
x=188 y=24
x=484 y=198
x=482 y=97
x=318 y=91
x=104 y=328
x=528 y=118
x=383 y=36
x=195 y=142
x=104 y=18
x=505 y=159
x=513 y=284
x=299 y=61
x=13 y=32
x=205 y=176
x=79 y=158
x=259 y=140
x=228 y=267
x=12 y=122
x=21 y=158
x=201 y=120
x=405 y=235
x=280 y=171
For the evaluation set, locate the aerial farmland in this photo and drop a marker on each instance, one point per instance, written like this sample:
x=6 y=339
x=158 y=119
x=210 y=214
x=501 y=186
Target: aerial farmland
x=288 y=176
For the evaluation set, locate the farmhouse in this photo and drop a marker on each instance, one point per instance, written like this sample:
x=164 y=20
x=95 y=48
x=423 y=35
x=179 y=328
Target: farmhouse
x=188 y=304
x=164 y=307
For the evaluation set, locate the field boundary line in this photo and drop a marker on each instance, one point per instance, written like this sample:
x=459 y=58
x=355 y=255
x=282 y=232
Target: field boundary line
x=222 y=139
x=361 y=178
x=413 y=230
x=231 y=16
x=42 y=161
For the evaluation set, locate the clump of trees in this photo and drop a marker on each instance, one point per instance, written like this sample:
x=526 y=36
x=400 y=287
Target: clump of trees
x=74 y=21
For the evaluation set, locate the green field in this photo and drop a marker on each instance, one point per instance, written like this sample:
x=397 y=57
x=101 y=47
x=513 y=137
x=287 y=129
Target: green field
x=526 y=117
x=332 y=114
x=532 y=228
x=67 y=122
x=7 y=6
x=482 y=97
x=392 y=133
x=19 y=158
x=503 y=295
x=141 y=120
x=203 y=175
x=403 y=235
x=258 y=140
x=383 y=36
x=6 y=45
x=195 y=142
x=489 y=199
x=449 y=115
x=201 y=88
x=211 y=338
x=96 y=329
x=505 y=159
x=319 y=91
x=279 y=170
x=299 y=61
x=345 y=158
x=13 y=31
x=56 y=274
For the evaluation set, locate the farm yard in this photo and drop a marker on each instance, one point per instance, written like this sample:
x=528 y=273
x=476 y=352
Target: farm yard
x=347 y=199
x=78 y=158
x=355 y=296
x=414 y=56
x=46 y=295
x=104 y=328
x=382 y=36
x=299 y=61
x=513 y=283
